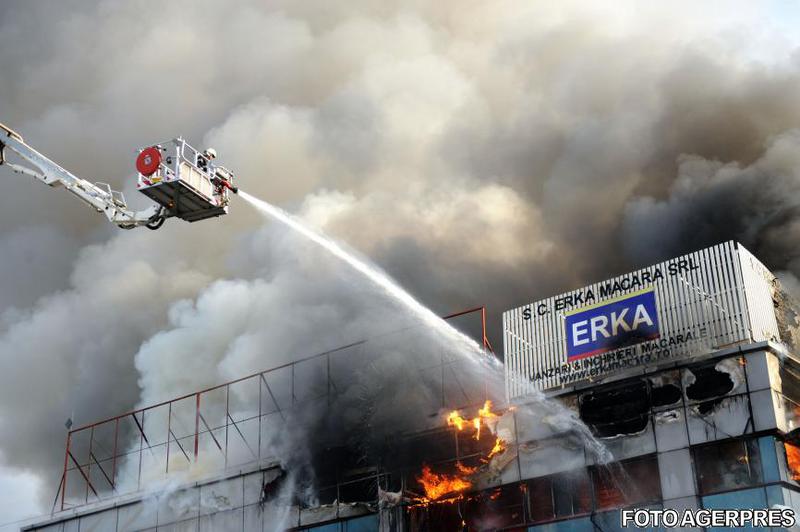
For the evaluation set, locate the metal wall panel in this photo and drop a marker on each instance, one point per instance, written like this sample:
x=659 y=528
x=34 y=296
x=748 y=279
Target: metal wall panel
x=759 y=284
x=706 y=300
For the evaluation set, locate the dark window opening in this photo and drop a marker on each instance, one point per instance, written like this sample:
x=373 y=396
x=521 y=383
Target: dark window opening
x=391 y=482
x=327 y=495
x=364 y=490
x=434 y=517
x=728 y=465
x=622 y=410
x=352 y=463
x=633 y=481
x=346 y=468
x=271 y=488
x=411 y=452
x=496 y=508
x=325 y=465
x=665 y=395
x=709 y=383
x=560 y=495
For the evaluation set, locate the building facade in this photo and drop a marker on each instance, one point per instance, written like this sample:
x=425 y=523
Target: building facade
x=685 y=373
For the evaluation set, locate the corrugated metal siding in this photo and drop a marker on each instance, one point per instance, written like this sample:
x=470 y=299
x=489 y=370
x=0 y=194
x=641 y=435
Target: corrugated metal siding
x=723 y=295
x=758 y=286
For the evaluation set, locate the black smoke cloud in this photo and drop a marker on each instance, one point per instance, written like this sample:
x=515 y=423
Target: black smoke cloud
x=489 y=153
x=710 y=201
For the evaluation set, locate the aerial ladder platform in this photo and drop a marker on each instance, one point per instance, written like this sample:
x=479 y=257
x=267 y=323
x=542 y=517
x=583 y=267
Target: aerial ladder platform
x=183 y=182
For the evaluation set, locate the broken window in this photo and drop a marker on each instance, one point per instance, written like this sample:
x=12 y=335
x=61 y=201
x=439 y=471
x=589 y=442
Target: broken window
x=411 y=452
x=560 y=495
x=338 y=474
x=708 y=382
x=665 y=388
x=617 y=411
x=665 y=395
x=324 y=464
x=495 y=508
x=434 y=517
x=633 y=481
x=727 y=465
x=361 y=490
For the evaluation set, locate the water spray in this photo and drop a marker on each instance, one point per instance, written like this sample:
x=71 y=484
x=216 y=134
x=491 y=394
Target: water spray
x=561 y=417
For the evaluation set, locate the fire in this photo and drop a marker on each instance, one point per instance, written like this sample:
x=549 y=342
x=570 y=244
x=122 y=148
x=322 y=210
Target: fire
x=793 y=460
x=464 y=470
x=438 y=485
x=486 y=411
x=455 y=419
x=499 y=447
x=441 y=487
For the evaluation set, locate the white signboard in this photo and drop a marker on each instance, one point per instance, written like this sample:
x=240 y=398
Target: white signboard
x=693 y=304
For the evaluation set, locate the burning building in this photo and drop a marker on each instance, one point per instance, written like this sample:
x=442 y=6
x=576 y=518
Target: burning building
x=674 y=386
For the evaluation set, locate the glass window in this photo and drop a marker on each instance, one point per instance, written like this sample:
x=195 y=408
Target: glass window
x=628 y=482
x=744 y=499
x=727 y=465
x=769 y=459
x=368 y=523
x=330 y=527
x=611 y=521
x=571 y=525
x=560 y=495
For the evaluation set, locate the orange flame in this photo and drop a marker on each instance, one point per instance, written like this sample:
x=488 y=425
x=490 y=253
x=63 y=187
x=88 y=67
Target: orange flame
x=793 y=460
x=486 y=411
x=499 y=447
x=455 y=419
x=465 y=470
x=438 y=485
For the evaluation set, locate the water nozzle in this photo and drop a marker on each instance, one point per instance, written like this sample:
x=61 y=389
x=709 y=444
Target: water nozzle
x=225 y=183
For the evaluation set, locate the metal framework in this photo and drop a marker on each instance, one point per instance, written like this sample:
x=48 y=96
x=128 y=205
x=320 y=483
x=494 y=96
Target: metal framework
x=228 y=425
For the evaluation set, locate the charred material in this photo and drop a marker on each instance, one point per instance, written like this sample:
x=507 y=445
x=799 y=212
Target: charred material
x=665 y=395
x=271 y=489
x=787 y=314
x=618 y=411
x=624 y=409
x=709 y=385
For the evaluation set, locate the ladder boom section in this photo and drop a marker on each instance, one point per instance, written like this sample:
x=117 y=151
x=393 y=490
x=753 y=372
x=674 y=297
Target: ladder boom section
x=98 y=195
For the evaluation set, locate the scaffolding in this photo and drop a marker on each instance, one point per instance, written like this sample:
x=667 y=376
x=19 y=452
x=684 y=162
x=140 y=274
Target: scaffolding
x=231 y=425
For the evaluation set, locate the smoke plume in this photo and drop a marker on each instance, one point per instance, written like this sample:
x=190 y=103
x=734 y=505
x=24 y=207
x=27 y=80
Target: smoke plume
x=481 y=153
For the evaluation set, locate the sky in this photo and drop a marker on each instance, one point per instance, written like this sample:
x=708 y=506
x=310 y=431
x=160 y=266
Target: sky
x=480 y=152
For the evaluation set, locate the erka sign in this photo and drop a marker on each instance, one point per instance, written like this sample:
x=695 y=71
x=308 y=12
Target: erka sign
x=612 y=324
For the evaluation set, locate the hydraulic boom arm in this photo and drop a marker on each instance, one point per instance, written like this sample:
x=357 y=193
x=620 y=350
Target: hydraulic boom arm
x=99 y=195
